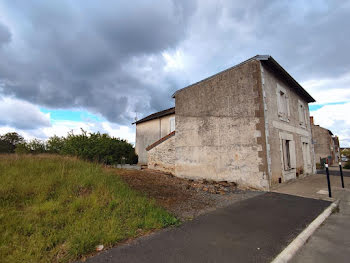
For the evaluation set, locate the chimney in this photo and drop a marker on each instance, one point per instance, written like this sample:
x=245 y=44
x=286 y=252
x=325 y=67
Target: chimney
x=312 y=120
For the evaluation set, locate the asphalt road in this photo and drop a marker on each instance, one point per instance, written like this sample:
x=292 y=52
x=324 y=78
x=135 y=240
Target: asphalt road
x=336 y=173
x=254 y=230
x=331 y=242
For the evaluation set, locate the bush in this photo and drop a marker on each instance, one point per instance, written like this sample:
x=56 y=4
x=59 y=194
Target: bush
x=347 y=165
x=34 y=146
x=22 y=148
x=99 y=147
x=55 y=144
x=95 y=147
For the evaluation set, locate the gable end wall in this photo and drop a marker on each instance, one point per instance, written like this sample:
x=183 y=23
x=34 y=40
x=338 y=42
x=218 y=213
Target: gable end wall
x=220 y=128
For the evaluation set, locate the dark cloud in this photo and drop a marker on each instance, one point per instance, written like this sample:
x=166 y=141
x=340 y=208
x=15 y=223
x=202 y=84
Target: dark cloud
x=107 y=57
x=5 y=35
x=81 y=55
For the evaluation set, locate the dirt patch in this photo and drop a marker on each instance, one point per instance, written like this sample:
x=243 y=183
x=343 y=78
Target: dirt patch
x=184 y=198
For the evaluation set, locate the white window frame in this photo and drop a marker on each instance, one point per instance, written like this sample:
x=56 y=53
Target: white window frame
x=283 y=109
x=172 y=124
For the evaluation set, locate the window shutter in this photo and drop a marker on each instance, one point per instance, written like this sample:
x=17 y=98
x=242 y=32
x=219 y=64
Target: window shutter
x=301 y=114
x=287 y=105
x=293 y=163
x=284 y=154
x=279 y=103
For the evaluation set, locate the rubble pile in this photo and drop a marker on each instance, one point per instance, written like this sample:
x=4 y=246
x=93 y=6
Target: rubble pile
x=212 y=187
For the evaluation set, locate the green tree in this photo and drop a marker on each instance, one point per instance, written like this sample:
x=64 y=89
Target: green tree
x=55 y=144
x=36 y=146
x=9 y=141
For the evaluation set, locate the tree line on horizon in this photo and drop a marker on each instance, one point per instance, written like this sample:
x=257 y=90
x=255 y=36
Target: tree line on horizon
x=95 y=147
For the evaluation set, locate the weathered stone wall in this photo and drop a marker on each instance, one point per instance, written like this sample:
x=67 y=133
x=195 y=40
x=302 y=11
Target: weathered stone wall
x=148 y=132
x=220 y=132
x=322 y=142
x=290 y=129
x=162 y=156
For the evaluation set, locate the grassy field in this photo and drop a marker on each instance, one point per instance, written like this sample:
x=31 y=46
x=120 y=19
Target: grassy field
x=57 y=209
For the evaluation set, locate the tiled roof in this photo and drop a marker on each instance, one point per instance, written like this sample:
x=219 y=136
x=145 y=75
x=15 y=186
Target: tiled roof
x=156 y=115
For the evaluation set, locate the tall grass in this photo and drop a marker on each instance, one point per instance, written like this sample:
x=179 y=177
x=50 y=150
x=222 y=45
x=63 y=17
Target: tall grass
x=56 y=209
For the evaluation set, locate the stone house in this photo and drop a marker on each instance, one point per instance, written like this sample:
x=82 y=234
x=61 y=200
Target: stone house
x=326 y=145
x=248 y=124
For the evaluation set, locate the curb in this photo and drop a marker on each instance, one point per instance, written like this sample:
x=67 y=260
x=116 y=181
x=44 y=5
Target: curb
x=300 y=240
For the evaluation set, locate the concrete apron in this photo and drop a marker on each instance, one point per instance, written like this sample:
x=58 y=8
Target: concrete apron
x=315 y=187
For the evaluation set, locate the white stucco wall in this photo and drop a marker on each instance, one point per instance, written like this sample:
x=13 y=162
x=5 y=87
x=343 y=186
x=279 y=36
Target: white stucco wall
x=148 y=132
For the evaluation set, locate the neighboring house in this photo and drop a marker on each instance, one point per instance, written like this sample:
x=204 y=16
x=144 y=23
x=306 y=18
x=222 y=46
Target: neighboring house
x=326 y=146
x=152 y=128
x=248 y=124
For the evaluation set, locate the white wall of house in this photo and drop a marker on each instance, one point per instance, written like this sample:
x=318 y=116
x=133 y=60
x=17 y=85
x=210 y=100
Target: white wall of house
x=149 y=132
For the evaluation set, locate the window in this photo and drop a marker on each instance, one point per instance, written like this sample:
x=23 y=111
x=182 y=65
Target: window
x=172 y=124
x=302 y=114
x=306 y=153
x=282 y=103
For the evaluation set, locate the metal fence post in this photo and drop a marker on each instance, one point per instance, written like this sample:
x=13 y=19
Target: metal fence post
x=341 y=175
x=328 y=181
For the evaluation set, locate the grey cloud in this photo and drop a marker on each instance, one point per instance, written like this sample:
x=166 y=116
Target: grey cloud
x=76 y=55
x=107 y=57
x=307 y=38
x=5 y=35
x=22 y=115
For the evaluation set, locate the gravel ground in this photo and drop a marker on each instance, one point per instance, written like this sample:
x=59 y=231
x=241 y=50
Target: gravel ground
x=184 y=198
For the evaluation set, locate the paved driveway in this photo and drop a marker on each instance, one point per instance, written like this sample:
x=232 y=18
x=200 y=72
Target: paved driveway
x=254 y=230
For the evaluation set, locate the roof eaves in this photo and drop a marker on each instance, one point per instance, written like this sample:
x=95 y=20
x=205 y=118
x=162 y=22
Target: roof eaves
x=156 y=115
x=275 y=64
x=266 y=58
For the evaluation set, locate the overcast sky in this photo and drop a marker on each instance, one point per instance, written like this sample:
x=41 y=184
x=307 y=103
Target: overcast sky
x=97 y=64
